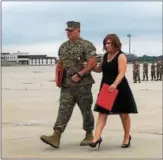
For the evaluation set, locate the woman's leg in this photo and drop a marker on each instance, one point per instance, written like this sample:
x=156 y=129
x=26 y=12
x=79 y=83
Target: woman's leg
x=125 y=118
x=100 y=125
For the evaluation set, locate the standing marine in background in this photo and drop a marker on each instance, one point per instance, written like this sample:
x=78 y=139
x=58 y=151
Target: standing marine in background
x=136 y=72
x=145 y=71
x=158 y=70
x=161 y=70
x=153 y=71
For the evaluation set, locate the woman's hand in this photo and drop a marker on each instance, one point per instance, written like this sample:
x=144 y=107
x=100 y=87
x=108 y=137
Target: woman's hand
x=112 y=87
x=75 y=78
x=85 y=64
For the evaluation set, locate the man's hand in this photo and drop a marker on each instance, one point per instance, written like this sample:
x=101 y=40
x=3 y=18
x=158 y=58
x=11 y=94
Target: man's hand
x=75 y=78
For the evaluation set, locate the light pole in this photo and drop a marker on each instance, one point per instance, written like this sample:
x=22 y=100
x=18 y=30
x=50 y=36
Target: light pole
x=129 y=37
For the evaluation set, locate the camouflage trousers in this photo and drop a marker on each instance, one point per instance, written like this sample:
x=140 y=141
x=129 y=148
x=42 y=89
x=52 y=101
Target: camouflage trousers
x=136 y=76
x=145 y=74
x=159 y=74
x=153 y=75
x=82 y=96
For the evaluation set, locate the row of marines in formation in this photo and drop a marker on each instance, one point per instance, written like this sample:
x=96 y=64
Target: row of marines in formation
x=156 y=71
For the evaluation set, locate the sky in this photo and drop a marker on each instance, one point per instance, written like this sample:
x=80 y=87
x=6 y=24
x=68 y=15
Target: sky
x=39 y=27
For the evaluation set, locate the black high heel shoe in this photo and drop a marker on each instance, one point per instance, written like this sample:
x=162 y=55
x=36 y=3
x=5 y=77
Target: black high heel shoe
x=94 y=144
x=126 y=145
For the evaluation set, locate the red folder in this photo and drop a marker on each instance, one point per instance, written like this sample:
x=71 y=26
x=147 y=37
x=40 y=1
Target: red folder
x=59 y=75
x=106 y=98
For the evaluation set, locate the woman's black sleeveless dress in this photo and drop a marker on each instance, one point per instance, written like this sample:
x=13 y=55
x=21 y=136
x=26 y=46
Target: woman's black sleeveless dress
x=124 y=102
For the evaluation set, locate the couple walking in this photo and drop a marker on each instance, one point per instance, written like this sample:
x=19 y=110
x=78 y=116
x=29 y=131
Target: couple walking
x=77 y=84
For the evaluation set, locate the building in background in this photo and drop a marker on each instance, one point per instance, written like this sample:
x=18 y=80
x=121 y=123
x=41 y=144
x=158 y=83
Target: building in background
x=24 y=58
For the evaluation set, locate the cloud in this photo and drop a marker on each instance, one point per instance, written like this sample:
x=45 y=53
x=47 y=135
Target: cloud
x=29 y=25
x=49 y=48
x=139 y=46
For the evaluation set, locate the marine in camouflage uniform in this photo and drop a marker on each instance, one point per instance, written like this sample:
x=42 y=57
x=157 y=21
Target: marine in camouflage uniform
x=145 y=71
x=136 y=72
x=153 y=71
x=158 y=70
x=133 y=71
x=161 y=70
x=73 y=54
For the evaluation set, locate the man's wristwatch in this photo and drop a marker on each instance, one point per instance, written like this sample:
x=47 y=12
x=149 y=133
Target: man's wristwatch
x=79 y=75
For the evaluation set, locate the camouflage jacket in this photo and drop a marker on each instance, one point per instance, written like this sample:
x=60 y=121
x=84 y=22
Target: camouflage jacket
x=136 y=67
x=72 y=55
x=158 y=66
x=153 y=68
x=145 y=66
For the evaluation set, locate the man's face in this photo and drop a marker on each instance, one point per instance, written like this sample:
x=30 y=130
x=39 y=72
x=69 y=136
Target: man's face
x=73 y=34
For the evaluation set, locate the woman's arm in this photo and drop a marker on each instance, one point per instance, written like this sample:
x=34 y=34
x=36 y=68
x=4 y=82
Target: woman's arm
x=98 y=68
x=122 y=65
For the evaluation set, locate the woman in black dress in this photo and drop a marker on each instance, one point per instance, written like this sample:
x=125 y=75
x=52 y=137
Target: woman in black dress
x=113 y=69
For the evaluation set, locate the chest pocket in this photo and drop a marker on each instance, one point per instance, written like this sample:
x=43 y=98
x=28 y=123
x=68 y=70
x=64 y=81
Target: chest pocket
x=74 y=56
x=78 y=54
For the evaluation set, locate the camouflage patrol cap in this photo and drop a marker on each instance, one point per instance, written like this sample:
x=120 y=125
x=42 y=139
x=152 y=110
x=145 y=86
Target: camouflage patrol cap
x=71 y=25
